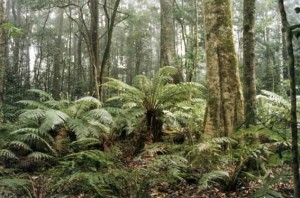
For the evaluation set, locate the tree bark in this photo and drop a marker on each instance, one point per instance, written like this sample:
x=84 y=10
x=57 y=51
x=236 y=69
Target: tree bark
x=94 y=46
x=167 y=38
x=225 y=105
x=56 y=81
x=110 y=28
x=291 y=60
x=249 y=61
x=2 y=50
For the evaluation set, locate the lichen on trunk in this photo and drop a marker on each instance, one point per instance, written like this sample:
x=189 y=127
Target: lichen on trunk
x=225 y=109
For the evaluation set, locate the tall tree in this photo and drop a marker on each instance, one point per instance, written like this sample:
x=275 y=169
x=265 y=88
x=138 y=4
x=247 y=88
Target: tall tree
x=167 y=37
x=56 y=80
x=94 y=46
x=225 y=105
x=2 y=50
x=249 y=61
x=290 y=52
x=110 y=28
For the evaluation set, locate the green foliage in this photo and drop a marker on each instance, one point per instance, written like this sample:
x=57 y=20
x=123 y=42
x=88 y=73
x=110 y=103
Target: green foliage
x=210 y=177
x=12 y=30
x=44 y=126
x=154 y=98
x=266 y=189
x=15 y=187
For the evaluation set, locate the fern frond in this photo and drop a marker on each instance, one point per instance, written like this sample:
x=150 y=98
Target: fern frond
x=142 y=83
x=16 y=186
x=207 y=178
x=95 y=128
x=167 y=71
x=7 y=154
x=86 y=142
x=89 y=100
x=53 y=118
x=33 y=104
x=20 y=145
x=131 y=91
x=223 y=140
x=79 y=127
x=274 y=97
x=37 y=156
x=94 y=156
x=115 y=110
x=100 y=114
x=41 y=93
x=32 y=114
x=32 y=138
x=25 y=131
x=60 y=104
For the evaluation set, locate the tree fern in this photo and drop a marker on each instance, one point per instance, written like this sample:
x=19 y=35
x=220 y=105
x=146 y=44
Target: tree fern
x=153 y=96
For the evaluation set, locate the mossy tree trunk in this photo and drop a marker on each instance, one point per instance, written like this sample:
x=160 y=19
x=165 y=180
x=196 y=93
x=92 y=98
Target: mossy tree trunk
x=225 y=106
x=249 y=61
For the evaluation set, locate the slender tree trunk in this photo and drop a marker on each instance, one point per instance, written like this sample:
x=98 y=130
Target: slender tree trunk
x=291 y=58
x=225 y=106
x=94 y=47
x=16 y=12
x=110 y=28
x=2 y=50
x=249 y=61
x=56 y=82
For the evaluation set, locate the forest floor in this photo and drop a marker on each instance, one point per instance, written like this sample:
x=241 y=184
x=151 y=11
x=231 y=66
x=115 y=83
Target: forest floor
x=187 y=189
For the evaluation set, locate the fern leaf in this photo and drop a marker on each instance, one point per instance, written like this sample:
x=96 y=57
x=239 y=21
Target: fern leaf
x=33 y=104
x=211 y=176
x=20 y=145
x=39 y=156
x=79 y=127
x=100 y=114
x=61 y=104
x=16 y=186
x=7 y=154
x=167 y=71
x=41 y=93
x=53 y=118
x=86 y=142
x=32 y=114
x=89 y=99
x=35 y=138
x=25 y=131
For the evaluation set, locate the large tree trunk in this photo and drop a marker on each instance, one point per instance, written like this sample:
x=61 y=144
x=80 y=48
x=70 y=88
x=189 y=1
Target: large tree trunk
x=249 y=61
x=2 y=51
x=167 y=37
x=225 y=106
x=291 y=58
